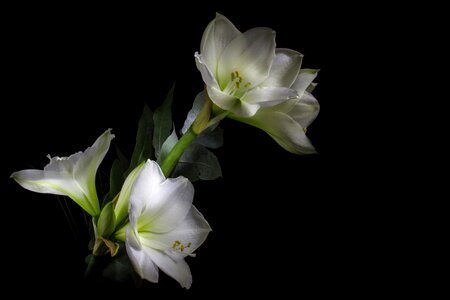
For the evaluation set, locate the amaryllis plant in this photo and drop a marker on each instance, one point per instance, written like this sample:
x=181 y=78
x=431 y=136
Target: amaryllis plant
x=147 y=221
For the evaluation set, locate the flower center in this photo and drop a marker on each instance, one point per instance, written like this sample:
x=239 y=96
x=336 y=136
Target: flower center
x=237 y=86
x=178 y=246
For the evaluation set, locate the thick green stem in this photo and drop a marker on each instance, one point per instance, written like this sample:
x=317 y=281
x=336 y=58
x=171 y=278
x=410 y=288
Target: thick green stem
x=200 y=123
x=90 y=267
x=172 y=158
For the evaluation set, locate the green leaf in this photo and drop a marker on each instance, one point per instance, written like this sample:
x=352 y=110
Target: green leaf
x=116 y=176
x=211 y=138
x=163 y=122
x=192 y=115
x=197 y=162
x=120 y=268
x=167 y=146
x=197 y=105
x=143 y=149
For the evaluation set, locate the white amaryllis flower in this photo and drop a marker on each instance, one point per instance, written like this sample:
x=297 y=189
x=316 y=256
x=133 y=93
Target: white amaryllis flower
x=257 y=83
x=235 y=67
x=164 y=226
x=73 y=176
x=286 y=123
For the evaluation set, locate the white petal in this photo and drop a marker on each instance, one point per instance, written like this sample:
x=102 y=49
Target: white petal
x=304 y=79
x=156 y=204
x=142 y=262
x=86 y=168
x=269 y=96
x=172 y=264
x=311 y=87
x=285 y=68
x=283 y=107
x=283 y=129
x=250 y=54
x=231 y=103
x=73 y=176
x=145 y=185
x=167 y=208
x=218 y=34
x=206 y=73
x=37 y=181
x=51 y=182
x=306 y=110
x=186 y=238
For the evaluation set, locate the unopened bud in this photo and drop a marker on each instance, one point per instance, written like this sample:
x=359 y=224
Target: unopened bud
x=202 y=120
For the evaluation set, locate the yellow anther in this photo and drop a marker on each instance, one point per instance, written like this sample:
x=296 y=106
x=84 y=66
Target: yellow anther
x=305 y=129
x=175 y=244
x=178 y=246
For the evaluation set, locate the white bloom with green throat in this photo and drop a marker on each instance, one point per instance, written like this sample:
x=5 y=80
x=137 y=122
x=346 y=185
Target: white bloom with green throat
x=235 y=66
x=257 y=83
x=164 y=227
x=72 y=176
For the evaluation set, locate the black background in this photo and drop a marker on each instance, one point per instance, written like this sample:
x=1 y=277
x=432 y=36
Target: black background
x=293 y=225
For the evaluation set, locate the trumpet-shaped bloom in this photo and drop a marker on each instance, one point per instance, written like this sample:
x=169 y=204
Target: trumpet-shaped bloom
x=164 y=225
x=235 y=67
x=257 y=83
x=72 y=176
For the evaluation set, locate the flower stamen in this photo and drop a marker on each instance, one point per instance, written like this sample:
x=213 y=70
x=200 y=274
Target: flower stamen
x=236 y=85
x=177 y=245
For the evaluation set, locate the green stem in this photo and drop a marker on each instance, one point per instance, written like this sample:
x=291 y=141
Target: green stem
x=90 y=266
x=200 y=123
x=172 y=158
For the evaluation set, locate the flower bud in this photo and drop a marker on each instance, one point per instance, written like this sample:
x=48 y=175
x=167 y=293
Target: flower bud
x=106 y=221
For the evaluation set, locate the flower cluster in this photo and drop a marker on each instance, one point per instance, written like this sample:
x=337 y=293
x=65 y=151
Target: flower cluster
x=148 y=212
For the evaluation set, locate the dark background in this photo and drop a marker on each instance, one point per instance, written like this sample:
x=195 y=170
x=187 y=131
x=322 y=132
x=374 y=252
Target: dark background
x=281 y=223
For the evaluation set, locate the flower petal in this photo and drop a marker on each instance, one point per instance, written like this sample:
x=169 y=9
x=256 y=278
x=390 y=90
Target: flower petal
x=283 y=107
x=231 y=103
x=250 y=55
x=140 y=259
x=306 y=110
x=50 y=182
x=172 y=264
x=73 y=176
x=283 y=129
x=217 y=35
x=269 y=96
x=37 y=181
x=168 y=206
x=205 y=71
x=144 y=186
x=86 y=168
x=157 y=204
x=186 y=238
x=285 y=68
x=304 y=79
